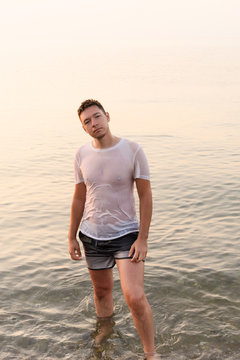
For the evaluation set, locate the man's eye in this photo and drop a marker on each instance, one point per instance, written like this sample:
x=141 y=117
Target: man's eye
x=86 y=122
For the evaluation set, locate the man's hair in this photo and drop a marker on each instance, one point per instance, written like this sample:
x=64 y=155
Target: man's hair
x=87 y=103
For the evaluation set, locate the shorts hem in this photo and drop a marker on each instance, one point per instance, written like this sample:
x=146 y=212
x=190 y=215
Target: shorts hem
x=122 y=258
x=110 y=267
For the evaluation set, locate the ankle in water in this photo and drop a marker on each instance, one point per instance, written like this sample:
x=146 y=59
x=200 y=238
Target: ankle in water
x=151 y=356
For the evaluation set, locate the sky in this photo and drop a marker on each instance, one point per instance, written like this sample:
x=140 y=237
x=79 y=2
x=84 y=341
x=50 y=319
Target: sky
x=152 y=64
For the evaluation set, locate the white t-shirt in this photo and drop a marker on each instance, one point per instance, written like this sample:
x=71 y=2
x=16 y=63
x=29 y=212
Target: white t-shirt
x=109 y=178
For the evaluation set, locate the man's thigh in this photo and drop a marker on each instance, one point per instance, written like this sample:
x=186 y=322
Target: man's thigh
x=102 y=279
x=131 y=276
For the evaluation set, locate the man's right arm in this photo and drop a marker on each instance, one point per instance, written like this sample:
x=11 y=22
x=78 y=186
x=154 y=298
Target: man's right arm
x=78 y=203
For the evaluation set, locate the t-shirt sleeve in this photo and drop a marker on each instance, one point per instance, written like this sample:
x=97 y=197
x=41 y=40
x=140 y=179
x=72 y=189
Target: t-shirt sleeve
x=77 y=172
x=141 y=168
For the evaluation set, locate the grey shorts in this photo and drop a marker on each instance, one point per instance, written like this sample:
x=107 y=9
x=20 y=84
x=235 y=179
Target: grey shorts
x=101 y=254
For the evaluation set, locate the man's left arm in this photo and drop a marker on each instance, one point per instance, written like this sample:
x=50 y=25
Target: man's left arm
x=139 y=247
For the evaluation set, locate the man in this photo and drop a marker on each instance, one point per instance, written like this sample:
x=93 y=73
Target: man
x=103 y=202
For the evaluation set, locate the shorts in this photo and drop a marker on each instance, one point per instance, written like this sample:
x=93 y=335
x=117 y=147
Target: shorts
x=101 y=254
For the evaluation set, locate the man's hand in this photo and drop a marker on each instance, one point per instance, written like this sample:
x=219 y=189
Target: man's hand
x=74 y=249
x=138 y=250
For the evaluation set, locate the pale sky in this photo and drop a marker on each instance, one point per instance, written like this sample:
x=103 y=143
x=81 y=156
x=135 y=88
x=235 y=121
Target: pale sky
x=142 y=59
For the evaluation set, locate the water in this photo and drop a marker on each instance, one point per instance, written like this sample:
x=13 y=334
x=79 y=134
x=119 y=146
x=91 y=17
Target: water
x=192 y=272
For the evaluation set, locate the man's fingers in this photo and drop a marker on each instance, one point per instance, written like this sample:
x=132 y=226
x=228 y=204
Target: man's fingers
x=135 y=257
x=76 y=255
x=75 y=252
x=138 y=257
x=131 y=251
x=138 y=253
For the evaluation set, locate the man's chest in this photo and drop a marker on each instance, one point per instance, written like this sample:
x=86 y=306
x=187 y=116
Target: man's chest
x=99 y=170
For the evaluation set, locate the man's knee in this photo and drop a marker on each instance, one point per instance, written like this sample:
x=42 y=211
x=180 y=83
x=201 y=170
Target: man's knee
x=103 y=290
x=136 y=301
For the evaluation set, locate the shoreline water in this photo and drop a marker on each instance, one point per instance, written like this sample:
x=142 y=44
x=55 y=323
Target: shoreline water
x=192 y=270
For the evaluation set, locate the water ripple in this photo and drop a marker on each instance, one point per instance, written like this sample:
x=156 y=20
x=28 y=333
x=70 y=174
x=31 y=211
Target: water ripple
x=192 y=269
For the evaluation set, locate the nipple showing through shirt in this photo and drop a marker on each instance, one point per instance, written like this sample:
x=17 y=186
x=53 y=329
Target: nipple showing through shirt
x=109 y=178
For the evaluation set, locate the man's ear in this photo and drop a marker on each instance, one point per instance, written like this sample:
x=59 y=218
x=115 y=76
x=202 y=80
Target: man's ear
x=108 y=116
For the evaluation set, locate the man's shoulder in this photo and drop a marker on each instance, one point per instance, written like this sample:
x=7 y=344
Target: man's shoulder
x=133 y=145
x=82 y=149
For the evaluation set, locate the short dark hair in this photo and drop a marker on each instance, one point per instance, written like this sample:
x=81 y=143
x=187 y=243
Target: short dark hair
x=87 y=103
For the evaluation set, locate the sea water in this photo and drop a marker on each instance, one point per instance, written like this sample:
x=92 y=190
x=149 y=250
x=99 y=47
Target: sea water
x=193 y=267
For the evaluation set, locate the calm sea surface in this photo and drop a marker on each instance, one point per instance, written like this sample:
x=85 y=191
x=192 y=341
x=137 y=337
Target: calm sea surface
x=193 y=266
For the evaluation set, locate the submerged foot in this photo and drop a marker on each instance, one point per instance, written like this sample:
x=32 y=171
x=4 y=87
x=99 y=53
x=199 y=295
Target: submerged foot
x=104 y=330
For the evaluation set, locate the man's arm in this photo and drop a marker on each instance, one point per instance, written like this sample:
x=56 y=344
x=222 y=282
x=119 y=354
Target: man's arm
x=139 y=247
x=78 y=203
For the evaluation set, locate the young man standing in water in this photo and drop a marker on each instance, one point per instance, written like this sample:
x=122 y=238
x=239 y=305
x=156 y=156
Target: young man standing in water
x=103 y=202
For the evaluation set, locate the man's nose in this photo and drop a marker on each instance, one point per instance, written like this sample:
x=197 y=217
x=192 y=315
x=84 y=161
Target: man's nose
x=94 y=122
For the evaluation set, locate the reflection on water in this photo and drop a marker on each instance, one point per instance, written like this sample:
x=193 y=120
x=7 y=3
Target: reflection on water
x=192 y=271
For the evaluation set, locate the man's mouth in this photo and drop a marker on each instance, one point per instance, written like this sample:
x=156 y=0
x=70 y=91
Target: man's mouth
x=96 y=130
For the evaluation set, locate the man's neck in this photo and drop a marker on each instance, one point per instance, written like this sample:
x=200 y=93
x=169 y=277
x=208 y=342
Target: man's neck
x=106 y=141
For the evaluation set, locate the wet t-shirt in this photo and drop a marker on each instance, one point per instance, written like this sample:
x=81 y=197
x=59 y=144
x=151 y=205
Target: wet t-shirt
x=109 y=176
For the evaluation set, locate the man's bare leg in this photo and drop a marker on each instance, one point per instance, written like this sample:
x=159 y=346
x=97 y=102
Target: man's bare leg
x=102 y=281
x=132 y=282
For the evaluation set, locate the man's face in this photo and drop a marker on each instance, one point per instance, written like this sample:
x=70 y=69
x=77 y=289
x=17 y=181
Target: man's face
x=95 y=122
